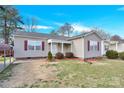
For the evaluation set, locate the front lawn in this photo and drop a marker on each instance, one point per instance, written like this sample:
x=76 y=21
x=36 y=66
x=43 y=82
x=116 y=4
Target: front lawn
x=71 y=73
x=64 y=73
x=1 y=58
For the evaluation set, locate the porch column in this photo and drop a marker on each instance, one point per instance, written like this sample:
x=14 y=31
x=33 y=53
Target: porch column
x=51 y=47
x=116 y=46
x=62 y=48
x=102 y=48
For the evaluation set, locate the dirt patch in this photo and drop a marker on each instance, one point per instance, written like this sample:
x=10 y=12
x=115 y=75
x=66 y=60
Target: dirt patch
x=28 y=72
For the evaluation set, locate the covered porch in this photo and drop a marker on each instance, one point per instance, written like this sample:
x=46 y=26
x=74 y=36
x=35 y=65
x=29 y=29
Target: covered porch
x=59 y=46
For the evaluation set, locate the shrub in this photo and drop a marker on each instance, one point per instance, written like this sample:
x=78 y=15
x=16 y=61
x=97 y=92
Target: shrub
x=121 y=55
x=111 y=54
x=69 y=55
x=59 y=55
x=50 y=56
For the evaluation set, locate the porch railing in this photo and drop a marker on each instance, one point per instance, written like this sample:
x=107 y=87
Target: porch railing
x=6 y=56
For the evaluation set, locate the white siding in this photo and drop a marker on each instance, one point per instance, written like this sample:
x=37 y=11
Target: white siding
x=89 y=54
x=78 y=47
x=120 y=47
x=112 y=47
x=19 y=51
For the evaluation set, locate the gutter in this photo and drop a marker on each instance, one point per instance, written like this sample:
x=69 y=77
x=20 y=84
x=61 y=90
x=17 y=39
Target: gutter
x=29 y=37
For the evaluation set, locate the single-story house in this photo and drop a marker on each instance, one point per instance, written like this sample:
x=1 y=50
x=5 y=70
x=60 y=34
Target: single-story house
x=117 y=46
x=32 y=44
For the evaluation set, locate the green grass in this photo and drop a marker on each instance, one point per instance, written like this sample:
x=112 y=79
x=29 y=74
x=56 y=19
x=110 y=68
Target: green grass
x=1 y=58
x=7 y=72
x=105 y=73
x=7 y=58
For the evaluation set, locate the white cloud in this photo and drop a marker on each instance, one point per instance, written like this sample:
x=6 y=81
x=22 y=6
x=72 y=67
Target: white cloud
x=80 y=28
x=42 y=27
x=58 y=24
x=121 y=9
x=38 y=27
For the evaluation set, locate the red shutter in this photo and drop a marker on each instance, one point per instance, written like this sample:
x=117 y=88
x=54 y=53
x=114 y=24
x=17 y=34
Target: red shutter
x=25 y=45
x=88 y=45
x=43 y=45
x=98 y=46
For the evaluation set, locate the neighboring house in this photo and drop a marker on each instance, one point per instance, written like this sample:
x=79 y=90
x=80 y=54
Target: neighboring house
x=117 y=46
x=105 y=46
x=32 y=44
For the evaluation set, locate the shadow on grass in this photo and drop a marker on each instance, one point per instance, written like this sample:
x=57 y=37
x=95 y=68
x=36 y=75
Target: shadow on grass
x=7 y=72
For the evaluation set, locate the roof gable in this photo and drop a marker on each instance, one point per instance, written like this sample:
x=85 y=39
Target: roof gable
x=93 y=32
x=86 y=34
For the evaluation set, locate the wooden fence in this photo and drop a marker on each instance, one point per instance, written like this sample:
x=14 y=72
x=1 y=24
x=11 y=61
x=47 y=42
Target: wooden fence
x=8 y=53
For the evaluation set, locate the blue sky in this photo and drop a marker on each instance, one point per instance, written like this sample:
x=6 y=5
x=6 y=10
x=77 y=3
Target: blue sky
x=108 y=18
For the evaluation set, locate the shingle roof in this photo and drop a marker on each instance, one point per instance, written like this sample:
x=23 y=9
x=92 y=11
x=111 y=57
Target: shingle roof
x=121 y=41
x=35 y=34
x=49 y=36
x=85 y=34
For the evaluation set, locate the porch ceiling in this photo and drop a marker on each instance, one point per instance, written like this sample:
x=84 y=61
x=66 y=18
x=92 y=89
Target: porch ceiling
x=59 y=41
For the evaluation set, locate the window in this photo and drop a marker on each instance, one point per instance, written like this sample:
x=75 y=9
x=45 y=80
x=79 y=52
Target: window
x=30 y=47
x=93 y=45
x=38 y=47
x=34 y=45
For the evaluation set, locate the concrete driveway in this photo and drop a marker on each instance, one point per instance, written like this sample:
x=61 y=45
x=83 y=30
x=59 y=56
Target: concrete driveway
x=2 y=65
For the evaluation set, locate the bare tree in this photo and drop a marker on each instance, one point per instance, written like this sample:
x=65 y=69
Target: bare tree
x=27 y=25
x=66 y=29
x=61 y=31
x=102 y=33
x=9 y=18
x=116 y=38
x=53 y=32
x=31 y=24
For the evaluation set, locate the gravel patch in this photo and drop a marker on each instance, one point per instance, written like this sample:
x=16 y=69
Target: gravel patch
x=27 y=73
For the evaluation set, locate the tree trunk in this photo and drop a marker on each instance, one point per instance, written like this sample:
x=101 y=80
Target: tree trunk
x=5 y=32
x=68 y=33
